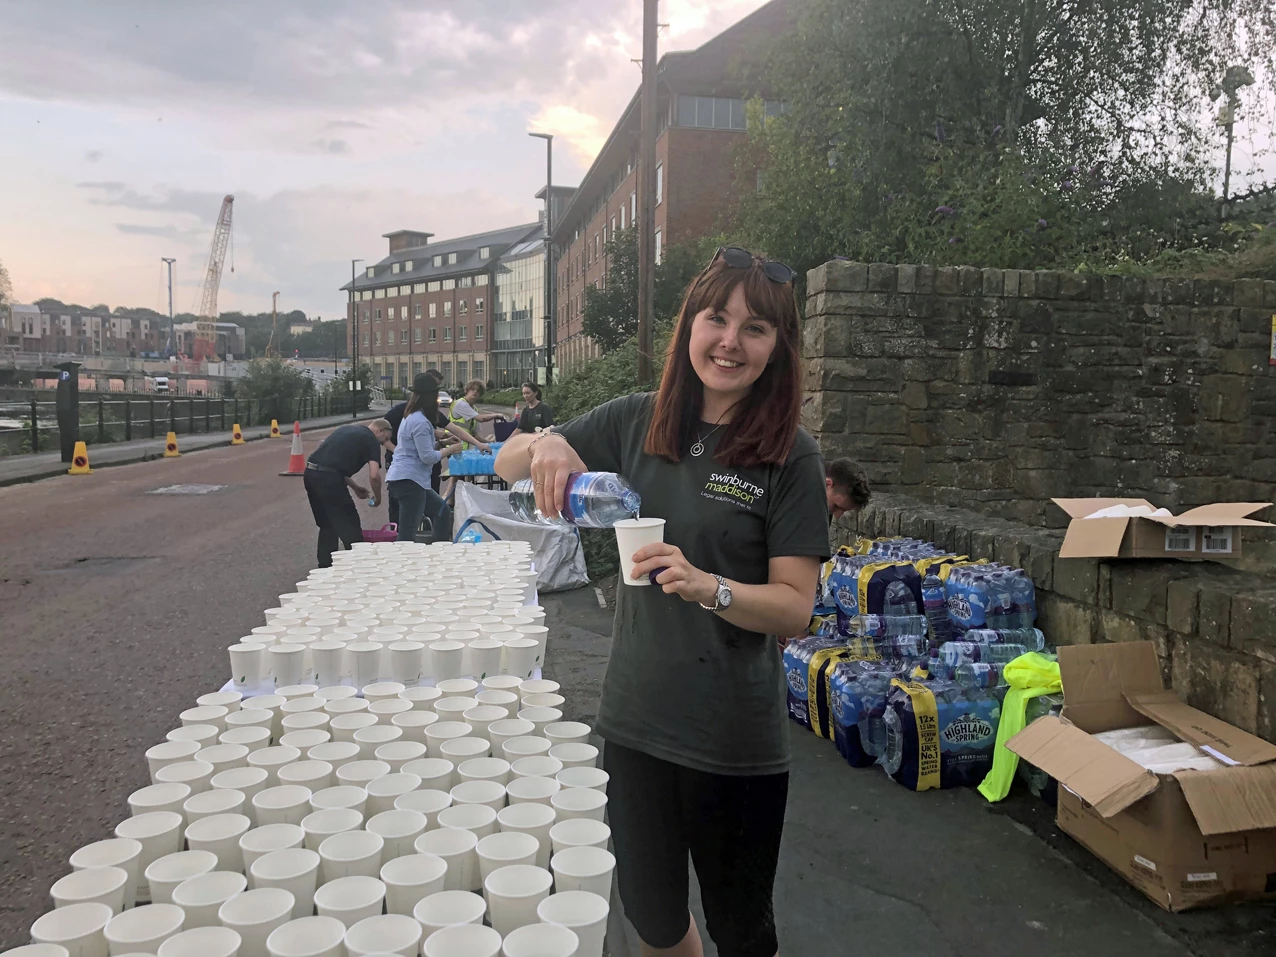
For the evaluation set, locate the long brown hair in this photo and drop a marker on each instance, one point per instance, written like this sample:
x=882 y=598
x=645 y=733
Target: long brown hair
x=427 y=402
x=765 y=423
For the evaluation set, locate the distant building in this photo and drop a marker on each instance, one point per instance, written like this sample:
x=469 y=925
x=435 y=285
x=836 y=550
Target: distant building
x=301 y=328
x=51 y=329
x=19 y=323
x=231 y=339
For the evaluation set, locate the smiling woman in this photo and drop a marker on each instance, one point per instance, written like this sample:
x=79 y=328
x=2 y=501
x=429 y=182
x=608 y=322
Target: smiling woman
x=691 y=707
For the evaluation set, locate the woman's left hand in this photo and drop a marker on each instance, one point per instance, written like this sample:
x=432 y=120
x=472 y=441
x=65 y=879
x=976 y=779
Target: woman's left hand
x=679 y=576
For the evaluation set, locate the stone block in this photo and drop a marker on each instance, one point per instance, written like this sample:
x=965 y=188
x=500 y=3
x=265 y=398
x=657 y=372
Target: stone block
x=1010 y=284
x=1252 y=622
x=1114 y=626
x=1247 y=292
x=881 y=277
x=1027 y=283
x=948 y=281
x=838 y=276
x=993 y=282
x=972 y=280
x=884 y=418
x=905 y=278
x=1140 y=589
x=1219 y=682
x=1073 y=285
x=926 y=280
x=1077 y=578
x=1214 y=613
x=913 y=395
x=1047 y=284
x=1181 y=605
x=1065 y=622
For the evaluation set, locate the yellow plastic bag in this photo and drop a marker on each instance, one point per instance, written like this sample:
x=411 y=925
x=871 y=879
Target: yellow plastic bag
x=1029 y=676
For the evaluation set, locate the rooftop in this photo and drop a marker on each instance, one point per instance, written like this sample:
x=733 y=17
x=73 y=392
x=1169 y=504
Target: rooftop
x=421 y=258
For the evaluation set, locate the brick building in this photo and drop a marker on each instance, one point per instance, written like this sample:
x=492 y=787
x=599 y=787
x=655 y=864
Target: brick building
x=446 y=305
x=701 y=116
x=70 y=332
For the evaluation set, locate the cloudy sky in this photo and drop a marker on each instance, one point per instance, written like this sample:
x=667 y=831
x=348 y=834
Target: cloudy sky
x=331 y=122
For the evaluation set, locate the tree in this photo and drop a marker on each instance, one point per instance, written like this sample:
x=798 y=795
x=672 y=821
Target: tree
x=6 y=286
x=275 y=387
x=610 y=314
x=325 y=340
x=1015 y=133
x=338 y=390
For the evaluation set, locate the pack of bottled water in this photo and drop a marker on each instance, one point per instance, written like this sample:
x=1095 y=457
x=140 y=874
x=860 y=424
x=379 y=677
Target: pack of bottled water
x=990 y=596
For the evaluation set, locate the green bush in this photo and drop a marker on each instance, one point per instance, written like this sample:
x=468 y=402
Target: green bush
x=505 y=397
x=274 y=388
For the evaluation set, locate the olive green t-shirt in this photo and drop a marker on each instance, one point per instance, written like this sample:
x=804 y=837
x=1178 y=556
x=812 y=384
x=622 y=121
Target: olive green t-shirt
x=684 y=685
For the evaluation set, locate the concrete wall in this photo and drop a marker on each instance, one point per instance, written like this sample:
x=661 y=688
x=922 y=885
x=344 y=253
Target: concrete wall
x=1000 y=389
x=1214 y=627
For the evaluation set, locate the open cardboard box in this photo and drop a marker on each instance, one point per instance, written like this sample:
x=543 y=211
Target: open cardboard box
x=1208 y=531
x=1187 y=839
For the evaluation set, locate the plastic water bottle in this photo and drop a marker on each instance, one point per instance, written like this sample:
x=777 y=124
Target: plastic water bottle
x=591 y=500
x=1024 y=600
x=955 y=653
x=936 y=608
x=898 y=600
x=1030 y=638
x=880 y=626
x=1001 y=603
x=901 y=646
x=979 y=674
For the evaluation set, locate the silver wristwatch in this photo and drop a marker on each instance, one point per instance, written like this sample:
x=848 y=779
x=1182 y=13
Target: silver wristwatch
x=723 y=597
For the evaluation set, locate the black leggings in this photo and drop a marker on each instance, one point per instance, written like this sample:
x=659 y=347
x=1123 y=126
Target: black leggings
x=334 y=512
x=729 y=825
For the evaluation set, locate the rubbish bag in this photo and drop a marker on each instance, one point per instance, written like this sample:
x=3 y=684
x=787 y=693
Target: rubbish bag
x=483 y=515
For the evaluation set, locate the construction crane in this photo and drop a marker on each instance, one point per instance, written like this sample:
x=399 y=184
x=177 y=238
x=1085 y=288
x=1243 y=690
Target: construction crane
x=271 y=349
x=206 y=318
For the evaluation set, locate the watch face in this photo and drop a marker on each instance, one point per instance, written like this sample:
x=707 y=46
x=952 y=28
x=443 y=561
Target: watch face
x=724 y=596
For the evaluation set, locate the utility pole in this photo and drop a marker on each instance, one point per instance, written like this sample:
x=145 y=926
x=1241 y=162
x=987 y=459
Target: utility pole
x=549 y=263
x=1230 y=86
x=354 y=343
x=168 y=349
x=647 y=194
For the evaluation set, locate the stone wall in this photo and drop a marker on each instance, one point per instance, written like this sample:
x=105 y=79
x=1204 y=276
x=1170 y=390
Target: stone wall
x=1000 y=389
x=1214 y=627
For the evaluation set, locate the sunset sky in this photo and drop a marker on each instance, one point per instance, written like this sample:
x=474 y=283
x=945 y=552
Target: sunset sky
x=330 y=121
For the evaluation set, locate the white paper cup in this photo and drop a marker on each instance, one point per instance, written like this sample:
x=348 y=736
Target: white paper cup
x=498 y=732
x=505 y=848
x=456 y=847
x=413 y=724
x=329 y=661
x=523 y=747
x=343 y=795
x=579 y=832
x=450 y=908
x=336 y=753
x=453 y=707
x=158 y=797
x=513 y=894
x=583 y=868
x=336 y=692
x=572 y=803
x=544 y=699
x=305 y=739
x=260 y=841
x=272 y=759
x=143 y=929
x=539 y=634
x=593 y=778
x=201 y=897
x=295 y=869
x=229 y=700
x=293 y=692
x=538 y=686
x=481 y=717
x=386 y=709
x=320 y=825
x=386 y=934
x=462 y=940
x=442 y=731
x=283 y=804
x=583 y=913
x=400 y=752
x=541 y=940
x=339 y=706
x=410 y=878
x=121 y=852
x=254 y=915
x=247 y=665
x=220 y=834
x=160 y=833
x=359 y=773
x=93 y=885
x=422 y=698
x=567 y=732
x=308 y=937
x=518 y=657
x=350 y=899
x=202 y=942
x=532 y=790
x=533 y=819
x=305 y=720
x=535 y=766
x=251 y=718
x=372 y=737
x=196 y=774
x=480 y=791
x=436 y=773
x=507 y=701
x=344 y=726
x=485 y=769
x=541 y=718
x=363 y=658
x=407 y=661
x=446 y=659
x=633 y=534
x=251 y=737
x=168 y=753
x=460 y=750
x=502 y=683
x=482 y=657
x=575 y=755
x=385 y=790
x=77 y=927
x=351 y=853
x=247 y=781
x=313 y=775
x=428 y=802
x=286 y=663
x=203 y=734
x=165 y=873
x=399 y=828
x=223 y=757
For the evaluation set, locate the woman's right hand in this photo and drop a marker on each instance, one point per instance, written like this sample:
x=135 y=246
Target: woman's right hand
x=553 y=460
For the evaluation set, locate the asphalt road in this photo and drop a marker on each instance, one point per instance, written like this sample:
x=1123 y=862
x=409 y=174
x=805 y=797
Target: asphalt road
x=116 y=606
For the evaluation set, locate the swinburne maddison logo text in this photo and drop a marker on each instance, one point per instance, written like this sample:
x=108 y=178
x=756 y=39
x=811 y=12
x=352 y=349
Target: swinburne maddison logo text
x=734 y=486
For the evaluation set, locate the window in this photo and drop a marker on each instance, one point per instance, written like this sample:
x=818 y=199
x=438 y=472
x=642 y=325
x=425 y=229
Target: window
x=438 y=261
x=447 y=372
x=418 y=310
x=463 y=308
x=460 y=333
x=447 y=310
x=447 y=333
x=478 y=331
x=377 y=340
x=480 y=280
x=394 y=267
x=461 y=369
x=716 y=112
x=416 y=334
x=478 y=309
x=660 y=182
x=403 y=312
x=433 y=286
x=371 y=271
x=485 y=252
x=622 y=217
x=658 y=247
x=465 y=282
x=378 y=315
x=434 y=335
x=419 y=287
x=434 y=310
x=451 y=259
x=633 y=206
x=403 y=336
x=365 y=317
x=365 y=338
x=613 y=227
x=449 y=284
x=378 y=293
x=478 y=370
x=407 y=266
x=597 y=247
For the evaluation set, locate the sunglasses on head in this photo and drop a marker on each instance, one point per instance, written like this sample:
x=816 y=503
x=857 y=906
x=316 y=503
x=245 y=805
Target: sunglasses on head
x=739 y=258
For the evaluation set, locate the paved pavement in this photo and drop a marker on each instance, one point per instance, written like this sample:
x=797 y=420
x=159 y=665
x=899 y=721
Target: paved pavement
x=118 y=604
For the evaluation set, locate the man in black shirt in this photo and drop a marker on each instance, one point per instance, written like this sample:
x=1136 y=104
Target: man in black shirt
x=329 y=479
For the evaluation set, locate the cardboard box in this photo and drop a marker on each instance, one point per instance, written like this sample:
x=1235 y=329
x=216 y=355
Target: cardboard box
x=1187 y=839
x=1208 y=531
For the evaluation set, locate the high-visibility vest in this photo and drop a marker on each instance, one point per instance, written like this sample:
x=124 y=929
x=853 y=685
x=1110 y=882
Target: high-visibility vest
x=467 y=424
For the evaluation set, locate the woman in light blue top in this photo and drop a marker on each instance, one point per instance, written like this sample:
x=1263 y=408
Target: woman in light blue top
x=415 y=456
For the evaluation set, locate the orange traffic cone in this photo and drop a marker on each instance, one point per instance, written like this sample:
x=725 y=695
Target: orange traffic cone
x=297 y=460
x=79 y=460
x=170 y=446
x=236 y=436
x=274 y=429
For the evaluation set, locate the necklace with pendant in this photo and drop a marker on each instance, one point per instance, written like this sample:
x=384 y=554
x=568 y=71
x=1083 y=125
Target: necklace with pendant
x=697 y=449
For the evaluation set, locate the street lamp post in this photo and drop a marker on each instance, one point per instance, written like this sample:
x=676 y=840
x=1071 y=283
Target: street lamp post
x=549 y=246
x=354 y=343
x=168 y=349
